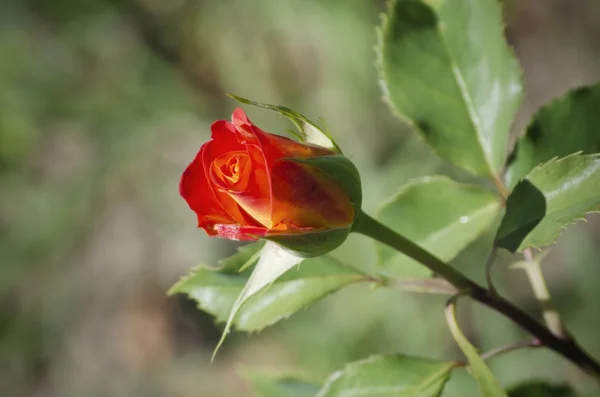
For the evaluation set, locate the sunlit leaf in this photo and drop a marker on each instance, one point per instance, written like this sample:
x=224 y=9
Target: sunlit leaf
x=445 y=66
x=216 y=289
x=243 y=300
x=389 y=376
x=439 y=214
x=566 y=125
x=551 y=196
x=488 y=384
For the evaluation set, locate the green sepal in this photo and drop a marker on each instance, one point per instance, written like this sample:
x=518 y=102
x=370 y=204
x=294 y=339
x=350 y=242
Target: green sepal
x=342 y=170
x=312 y=244
x=308 y=131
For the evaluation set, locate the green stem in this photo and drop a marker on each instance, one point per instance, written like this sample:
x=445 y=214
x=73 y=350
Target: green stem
x=372 y=228
x=568 y=348
x=421 y=285
x=498 y=351
x=540 y=290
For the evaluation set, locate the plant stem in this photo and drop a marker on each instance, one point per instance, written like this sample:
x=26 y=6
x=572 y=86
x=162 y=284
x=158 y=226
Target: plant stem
x=500 y=186
x=501 y=350
x=568 y=348
x=540 y=290
x=509 y=348
x=421 y=285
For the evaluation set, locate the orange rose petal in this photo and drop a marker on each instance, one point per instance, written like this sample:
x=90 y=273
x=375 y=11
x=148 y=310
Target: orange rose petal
x=274 y=146
x=226 y=202
x=256 y=199
x=304 y=197
x=285 y=147
x=294 y=204
x=231 y=171
x=224 y=137
x=195 y=189
x=240 y=187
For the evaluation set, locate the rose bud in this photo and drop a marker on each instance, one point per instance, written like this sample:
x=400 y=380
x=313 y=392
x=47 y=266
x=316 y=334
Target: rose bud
x=246 y=184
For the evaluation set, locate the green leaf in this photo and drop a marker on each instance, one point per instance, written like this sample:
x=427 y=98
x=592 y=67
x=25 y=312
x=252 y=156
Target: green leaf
x=488 y=384
x=525 y=209
x=440 y=215
x=243 y=300
x=216 y=289
x=389 y=376
x=309 y=132
x=445 y=66
x=541 y=389
x=551 y=196
x=274 y=261
x=566 y=125
x=280 y=385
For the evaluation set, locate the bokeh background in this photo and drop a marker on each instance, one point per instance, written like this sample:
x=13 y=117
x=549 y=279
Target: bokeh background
x=102 y=105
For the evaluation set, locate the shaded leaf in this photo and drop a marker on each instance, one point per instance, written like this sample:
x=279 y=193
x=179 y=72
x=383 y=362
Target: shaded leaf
x=488 y=384
x=569 y=187
x=309 y=132
x=220 y=291
x=389 y=376
x=280 y=385
x=541 y=389
x=525 y=209
x=445 y=66
x=567 y=125
x=440 y=215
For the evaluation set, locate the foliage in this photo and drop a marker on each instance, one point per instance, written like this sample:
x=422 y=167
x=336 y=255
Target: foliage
x=102 y=105
x=446 y=68
x=393 y=376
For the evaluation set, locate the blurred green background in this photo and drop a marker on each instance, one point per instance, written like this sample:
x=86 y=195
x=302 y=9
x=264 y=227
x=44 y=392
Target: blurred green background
x=102 y=105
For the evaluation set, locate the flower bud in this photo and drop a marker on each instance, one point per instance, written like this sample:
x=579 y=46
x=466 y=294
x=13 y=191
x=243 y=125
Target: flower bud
x=246 y=184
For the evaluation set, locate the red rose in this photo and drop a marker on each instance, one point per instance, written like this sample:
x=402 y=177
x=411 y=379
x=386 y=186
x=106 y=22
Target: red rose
x=246 y=183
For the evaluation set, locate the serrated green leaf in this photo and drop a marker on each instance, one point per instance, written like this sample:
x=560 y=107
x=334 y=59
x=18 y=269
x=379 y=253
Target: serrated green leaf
x=309 y=132
x=541 y=389
x=488 y=384
x=439 y=214
x=274 y=261
x=525 y=209
x=551 y=196
x=216 y=290
x=245 y=257
x=389 y=376
x=445 y=66
x=280 y=385
x=566 y=125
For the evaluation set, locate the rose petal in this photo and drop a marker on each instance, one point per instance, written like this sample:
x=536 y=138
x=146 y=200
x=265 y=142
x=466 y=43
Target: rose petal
x=231 y=171
x=304 y=197
x=196 y=191
x=237 y=232
x=255 y=200
x=210 y=153
x=274 y=146
x=225 y=137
